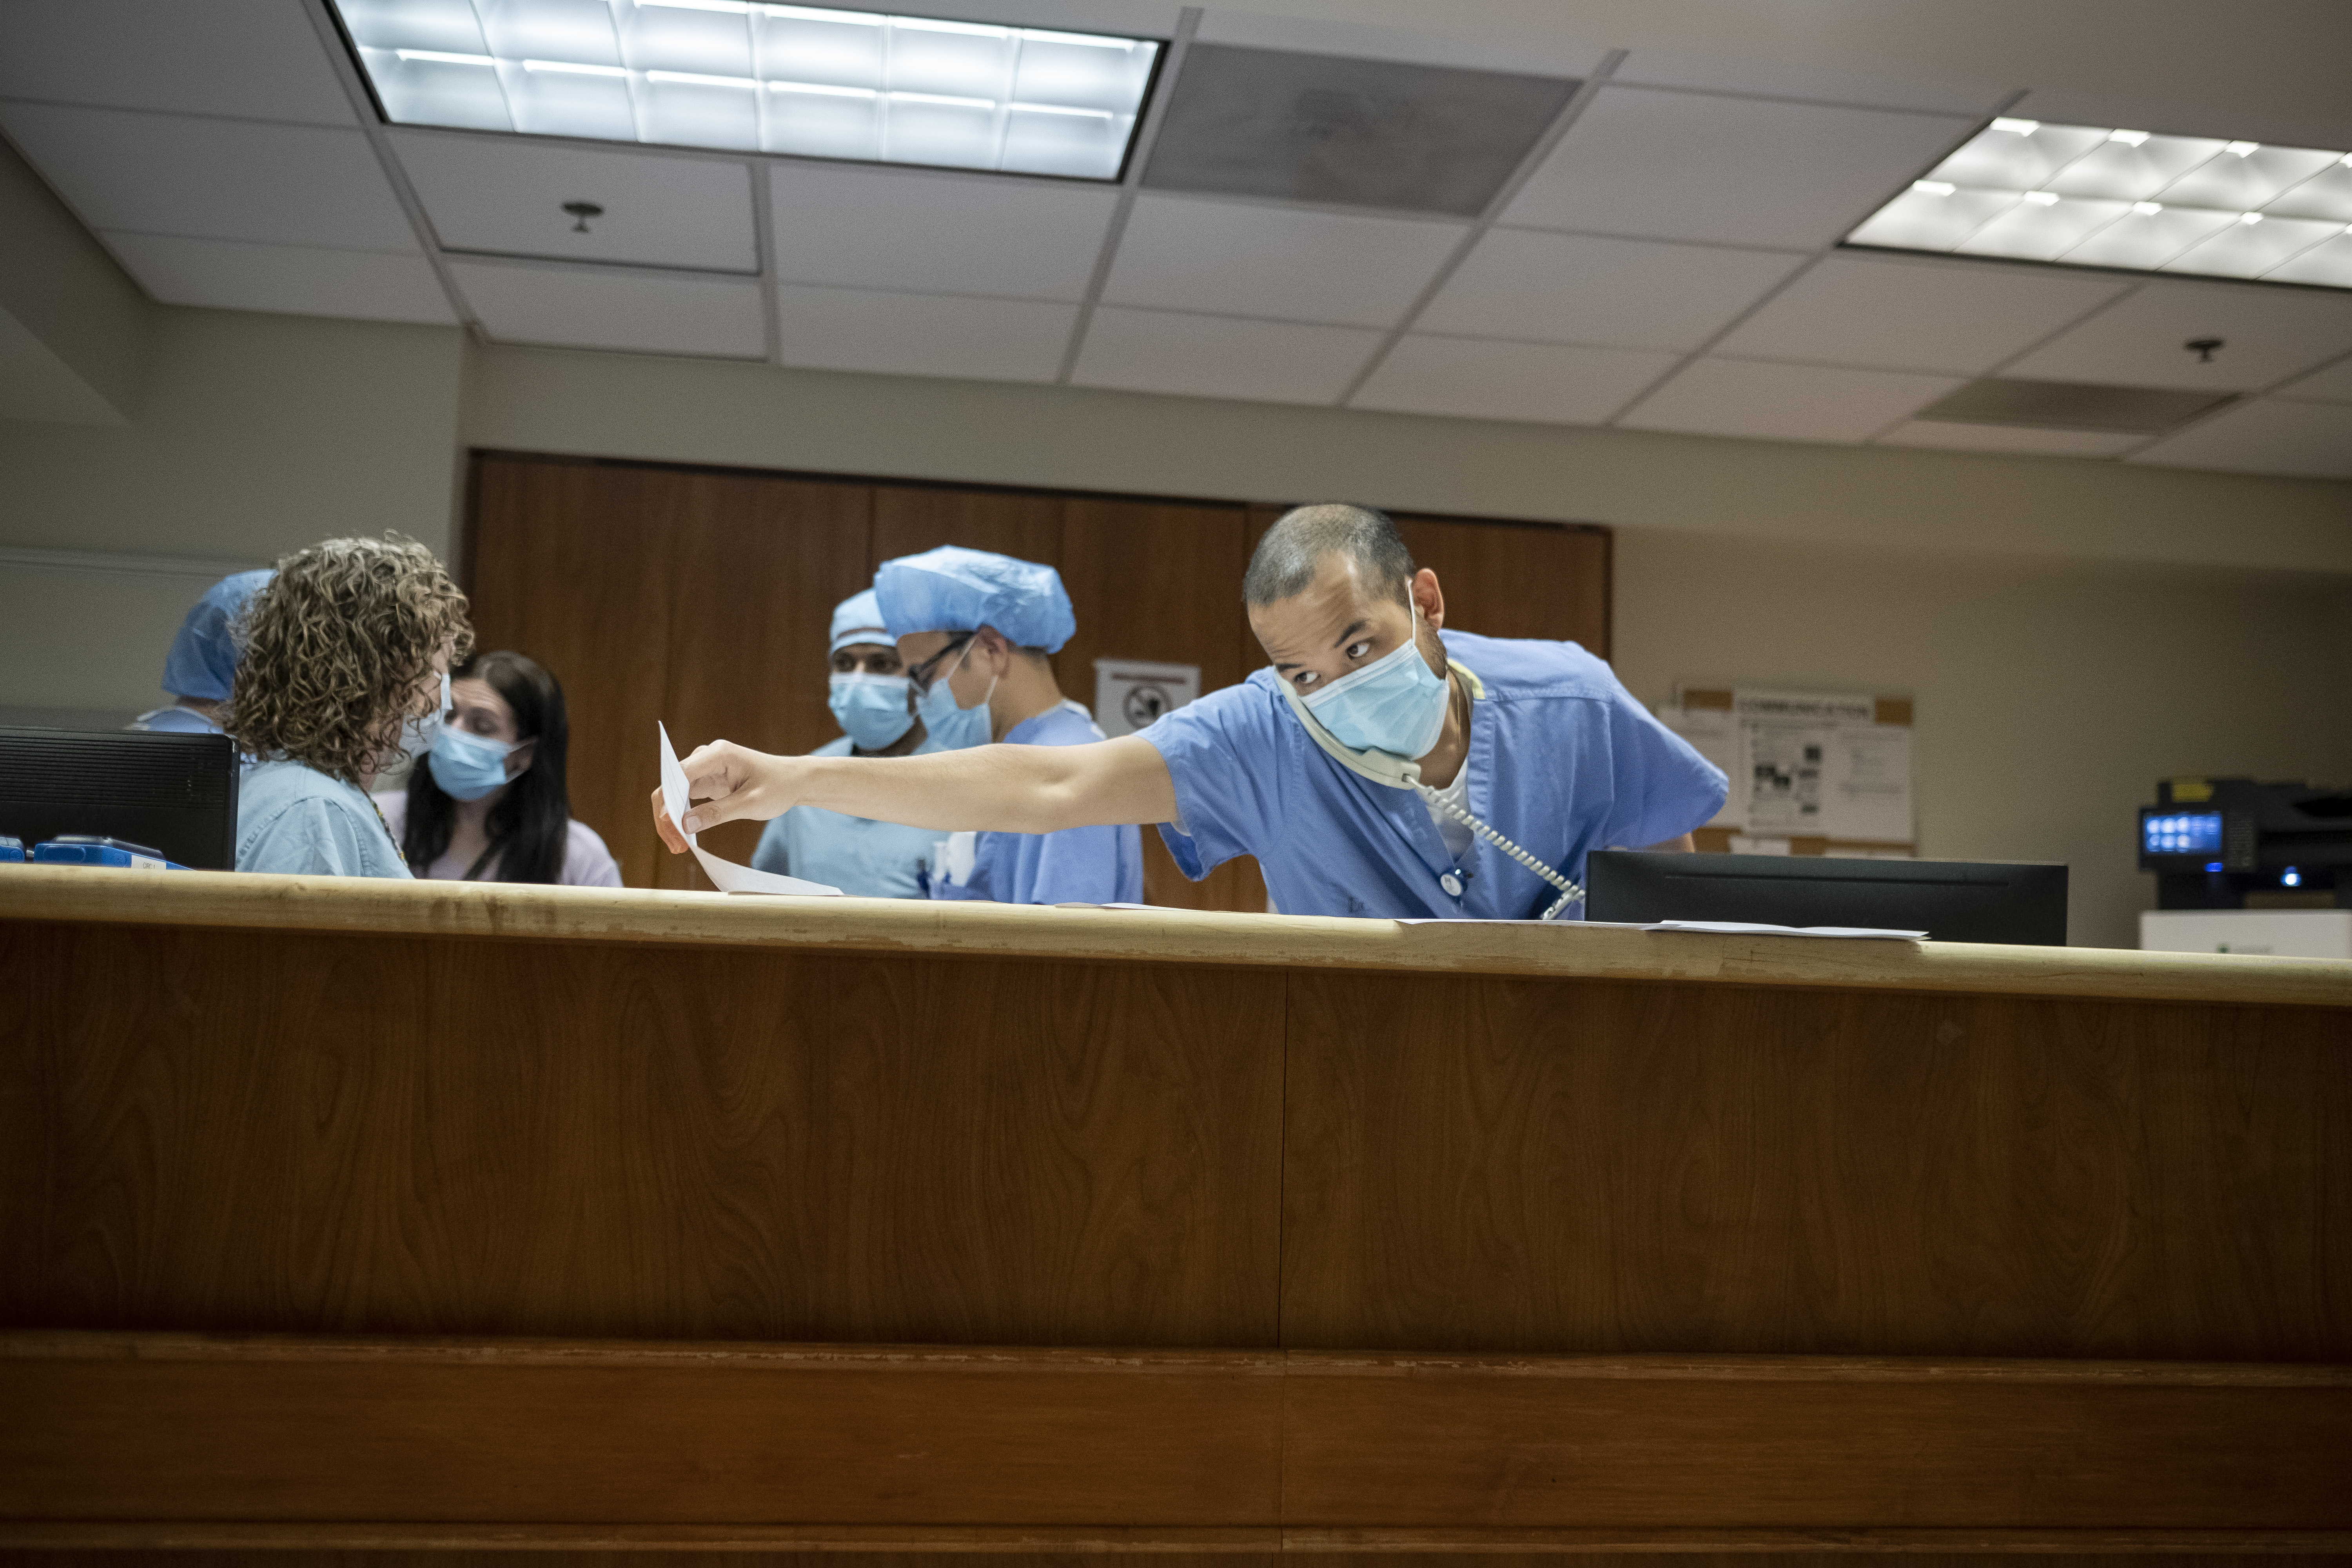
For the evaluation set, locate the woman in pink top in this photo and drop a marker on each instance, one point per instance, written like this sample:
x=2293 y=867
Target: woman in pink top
x=488 y=803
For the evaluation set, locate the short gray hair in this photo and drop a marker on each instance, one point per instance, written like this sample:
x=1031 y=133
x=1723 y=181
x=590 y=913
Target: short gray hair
x=1292 y=550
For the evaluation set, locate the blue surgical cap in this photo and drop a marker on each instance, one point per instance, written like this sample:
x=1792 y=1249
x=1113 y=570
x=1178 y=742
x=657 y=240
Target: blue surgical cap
x=202 y=660
x=858 y=618
x=952 y=589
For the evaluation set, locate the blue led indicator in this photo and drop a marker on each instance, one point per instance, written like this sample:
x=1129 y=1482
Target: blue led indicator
x=2212 y=865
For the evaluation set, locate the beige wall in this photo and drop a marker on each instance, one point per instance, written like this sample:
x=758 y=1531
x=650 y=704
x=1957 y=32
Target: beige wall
x=2071 y=631
x=2050 y=697
x=253 y=436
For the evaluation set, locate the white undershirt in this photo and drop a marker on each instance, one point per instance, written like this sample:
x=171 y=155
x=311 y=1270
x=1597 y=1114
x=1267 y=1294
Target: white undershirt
x=1456 y=834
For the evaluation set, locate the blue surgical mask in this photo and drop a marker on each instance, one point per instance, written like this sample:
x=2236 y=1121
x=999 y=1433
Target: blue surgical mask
x=466 y=765
x=1395 y=704
x=872 y=708
x=948 y=727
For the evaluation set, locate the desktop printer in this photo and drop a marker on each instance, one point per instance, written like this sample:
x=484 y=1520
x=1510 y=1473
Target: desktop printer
x=2236 y=843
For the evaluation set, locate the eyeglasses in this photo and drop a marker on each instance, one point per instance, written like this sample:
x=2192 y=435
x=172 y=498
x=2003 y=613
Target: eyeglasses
x=922 y=674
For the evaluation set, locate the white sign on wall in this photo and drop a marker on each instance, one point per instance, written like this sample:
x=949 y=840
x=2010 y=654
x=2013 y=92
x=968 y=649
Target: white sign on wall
x=1129 y=693
x=1805 y=764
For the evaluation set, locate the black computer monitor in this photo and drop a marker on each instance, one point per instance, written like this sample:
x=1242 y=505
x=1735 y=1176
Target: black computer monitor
x=175 y=794
x=1951 y=901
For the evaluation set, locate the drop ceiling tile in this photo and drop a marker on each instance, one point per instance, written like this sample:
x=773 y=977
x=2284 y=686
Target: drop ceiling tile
x=1894 y=315
x=584 y=308
x=1218 y=357
x=1234 y=259
x=1784 y=402
x=258 y=59
x=2265 y=436
x=922 y=334
x=1017 y=240
x=215 y=179
x=231 y=275
x=503 y=195
x=1478 y=378
x=1957 y=437
x=1686 y=165
x=1808 y=76
x=2266 y=334
x=2333 y=385
x=1580 y=288
x=1548 y=51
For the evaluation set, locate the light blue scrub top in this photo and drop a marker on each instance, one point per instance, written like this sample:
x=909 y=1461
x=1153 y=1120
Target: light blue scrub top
x=1562 y=761
x=297 y=821
x=863 y=858
x=1075 y=866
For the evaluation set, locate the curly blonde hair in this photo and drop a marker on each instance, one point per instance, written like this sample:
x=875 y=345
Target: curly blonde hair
x=334 y=647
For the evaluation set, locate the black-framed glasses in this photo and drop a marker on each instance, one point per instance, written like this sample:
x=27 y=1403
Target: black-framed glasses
x=923 y=674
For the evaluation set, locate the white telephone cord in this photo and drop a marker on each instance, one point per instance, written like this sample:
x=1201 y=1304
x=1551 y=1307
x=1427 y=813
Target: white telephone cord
x=1570 y=893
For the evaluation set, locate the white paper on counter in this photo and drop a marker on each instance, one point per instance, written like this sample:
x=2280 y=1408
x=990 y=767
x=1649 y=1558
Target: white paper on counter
x=725 y=875
x=1746 y=928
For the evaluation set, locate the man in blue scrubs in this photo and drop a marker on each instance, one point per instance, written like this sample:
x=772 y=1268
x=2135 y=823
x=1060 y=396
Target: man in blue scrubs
x=872 y=701
x=1535 y=740
x=975 y=630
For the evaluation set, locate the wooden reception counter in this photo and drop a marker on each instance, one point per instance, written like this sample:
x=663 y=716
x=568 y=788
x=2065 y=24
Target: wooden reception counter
x=349 y=1216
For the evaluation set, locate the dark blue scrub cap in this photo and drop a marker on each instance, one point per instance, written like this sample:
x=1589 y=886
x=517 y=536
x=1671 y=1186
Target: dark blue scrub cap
x=202 y=660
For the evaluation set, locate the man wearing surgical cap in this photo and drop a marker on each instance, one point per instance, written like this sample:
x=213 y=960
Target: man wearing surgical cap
x=976 y=630
x=871 y=701
x=202 y=665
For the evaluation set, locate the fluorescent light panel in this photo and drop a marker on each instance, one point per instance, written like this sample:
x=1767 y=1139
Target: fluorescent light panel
x=750 y=77
x=2088 y=195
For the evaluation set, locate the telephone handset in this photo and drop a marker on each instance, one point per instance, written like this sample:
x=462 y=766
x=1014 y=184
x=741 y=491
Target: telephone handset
x=1397 y=772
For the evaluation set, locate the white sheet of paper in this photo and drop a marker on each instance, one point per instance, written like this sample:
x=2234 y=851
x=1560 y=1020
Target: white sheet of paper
x=1744 y=927
x=725 y=875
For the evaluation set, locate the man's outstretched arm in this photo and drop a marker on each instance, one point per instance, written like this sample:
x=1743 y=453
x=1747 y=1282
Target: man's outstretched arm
x=1003 y=789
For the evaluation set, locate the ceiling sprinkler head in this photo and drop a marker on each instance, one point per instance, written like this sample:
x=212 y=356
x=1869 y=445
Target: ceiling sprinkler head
x=583 y=212
x=2202 y=348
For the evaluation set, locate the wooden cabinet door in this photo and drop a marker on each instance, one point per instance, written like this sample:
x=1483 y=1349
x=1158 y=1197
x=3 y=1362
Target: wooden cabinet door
x=759 y=564
x=1517 y=579
x=1161 y=580
x=570 y=563
x=1548 y=580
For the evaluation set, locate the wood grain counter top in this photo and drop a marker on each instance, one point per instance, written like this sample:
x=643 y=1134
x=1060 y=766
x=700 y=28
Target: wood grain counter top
x=1566 y=951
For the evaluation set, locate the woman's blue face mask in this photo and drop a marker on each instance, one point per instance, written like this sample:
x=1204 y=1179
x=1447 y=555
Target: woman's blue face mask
x=871 y=709
x=466 y=765
x=1395 y=704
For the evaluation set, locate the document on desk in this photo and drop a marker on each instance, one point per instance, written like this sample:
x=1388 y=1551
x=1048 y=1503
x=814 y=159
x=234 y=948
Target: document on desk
x=725 y=875
x=1749 y=928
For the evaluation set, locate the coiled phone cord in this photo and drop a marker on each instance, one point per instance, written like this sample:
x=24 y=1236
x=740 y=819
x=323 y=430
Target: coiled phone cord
x=1570 y=893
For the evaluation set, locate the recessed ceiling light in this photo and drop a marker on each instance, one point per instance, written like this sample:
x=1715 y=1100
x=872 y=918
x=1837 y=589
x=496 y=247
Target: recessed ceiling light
x=862 y=85
x=2088 y=195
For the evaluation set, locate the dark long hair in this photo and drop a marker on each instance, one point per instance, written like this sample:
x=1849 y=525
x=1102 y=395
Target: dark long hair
x=531 y=823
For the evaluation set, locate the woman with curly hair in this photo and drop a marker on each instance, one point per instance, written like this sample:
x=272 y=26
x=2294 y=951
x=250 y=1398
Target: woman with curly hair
x=352 y=640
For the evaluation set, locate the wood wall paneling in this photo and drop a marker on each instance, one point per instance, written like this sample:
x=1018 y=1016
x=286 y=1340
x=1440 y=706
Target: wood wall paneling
x=573 y=563
x=1161 y=580
x=1518 y=579
x=538 y=1438
x=1529 y=1165
x=413 y=1136
x=1537 y=580
x=909 y=1438
x=1419 y=1441
x=761 y=564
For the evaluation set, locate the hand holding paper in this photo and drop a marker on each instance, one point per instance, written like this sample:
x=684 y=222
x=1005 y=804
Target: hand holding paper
x=725 y=875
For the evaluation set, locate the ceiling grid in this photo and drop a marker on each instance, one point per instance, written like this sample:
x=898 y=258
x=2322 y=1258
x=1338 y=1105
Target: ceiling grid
x=1658 y=249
